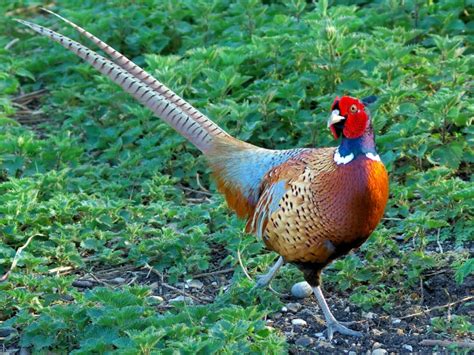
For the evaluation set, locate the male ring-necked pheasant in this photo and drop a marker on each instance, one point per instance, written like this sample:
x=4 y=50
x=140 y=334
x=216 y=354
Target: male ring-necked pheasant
x=308 y=205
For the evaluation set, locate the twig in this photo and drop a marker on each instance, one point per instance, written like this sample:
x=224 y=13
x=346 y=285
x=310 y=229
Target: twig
x=446 y=343
x=29 y=96
x=181 y=292
x=217 y=272
x=200 y=200
x=195 y=191
x=465 y=299
x=11 y=43
x=422 y=291
x=437 y=241
x=17 y=257
x=132 y=281
x=99 y=280
x=59 y=269
x=437 y=272
x=244 y=269
x=198 y=181
x=392 y=219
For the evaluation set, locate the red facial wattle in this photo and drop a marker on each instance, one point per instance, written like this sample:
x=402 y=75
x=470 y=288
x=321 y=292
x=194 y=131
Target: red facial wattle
x=356 y=119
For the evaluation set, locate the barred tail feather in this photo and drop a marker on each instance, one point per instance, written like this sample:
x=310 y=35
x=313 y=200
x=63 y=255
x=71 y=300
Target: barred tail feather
x=146 y=78
x=170 y=112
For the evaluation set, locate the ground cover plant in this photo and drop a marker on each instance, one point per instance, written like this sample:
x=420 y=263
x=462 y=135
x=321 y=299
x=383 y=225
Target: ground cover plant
x=125 y=246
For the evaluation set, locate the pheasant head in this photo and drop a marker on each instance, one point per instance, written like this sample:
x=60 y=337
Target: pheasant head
x=349 y=117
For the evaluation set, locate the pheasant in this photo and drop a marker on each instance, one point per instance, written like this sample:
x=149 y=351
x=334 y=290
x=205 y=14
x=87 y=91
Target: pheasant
x=309 y=205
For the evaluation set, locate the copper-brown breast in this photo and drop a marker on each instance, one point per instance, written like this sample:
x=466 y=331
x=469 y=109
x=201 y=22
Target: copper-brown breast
x=327 y=206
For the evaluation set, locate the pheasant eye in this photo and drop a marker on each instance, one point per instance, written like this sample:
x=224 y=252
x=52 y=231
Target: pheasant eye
x=353 y=108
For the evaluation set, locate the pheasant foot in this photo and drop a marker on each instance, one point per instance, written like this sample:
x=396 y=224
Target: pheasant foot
x=264 y=280
x=333 y=326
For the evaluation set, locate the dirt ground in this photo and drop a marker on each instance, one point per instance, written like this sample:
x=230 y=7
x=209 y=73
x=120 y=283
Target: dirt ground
x=405 y=329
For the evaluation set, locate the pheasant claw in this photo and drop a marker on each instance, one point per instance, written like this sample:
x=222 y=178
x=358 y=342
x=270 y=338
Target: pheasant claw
x=336 y=327
x=264 y=280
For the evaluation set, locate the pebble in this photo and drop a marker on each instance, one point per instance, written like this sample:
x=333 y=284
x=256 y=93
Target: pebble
x=184 y=299
x=214 y=283
x=304 y=341
x=379 y=352
x=117 y=280
x=352 y=353
x=407 y=347
x=195 y=284
x=83 y=283
x=277 y=315
x=324 y=344
x=347 y=309
x=368 y=315
x=376 y=345
x=7 y=331
x=284 y=309
x=301 y=290
x=294 y=307
x=157 y=299
x=299 y=322
x=377 y=332
x=400 y=332
x=396 y=321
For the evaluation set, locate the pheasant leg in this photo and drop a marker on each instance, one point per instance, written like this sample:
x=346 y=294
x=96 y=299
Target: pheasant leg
x=264 y=280
x=333 y=326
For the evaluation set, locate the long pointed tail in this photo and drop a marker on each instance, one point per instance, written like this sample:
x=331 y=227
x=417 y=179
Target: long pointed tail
x=149 y=80
x=164 y=103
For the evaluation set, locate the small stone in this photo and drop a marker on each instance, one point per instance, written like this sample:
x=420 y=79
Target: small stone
x=117 y=280
x=376 y=345
x=320 y=335
x=284 y=309
x=396 y=320
x=294 y=307
x=379 y=352
x=324 y=344
x=347 y=309
x=83 y=283
x=377 y=332
x=214 y=283
x=301 y=290
x=7 y=331
x=352 y=353
x=299 y=322
x=368 y=315
x=400 y=332
x=408 y=347
x=304 y=341
x=195 y=284
x=277 y=315
x=157 y=299
x=184 y=299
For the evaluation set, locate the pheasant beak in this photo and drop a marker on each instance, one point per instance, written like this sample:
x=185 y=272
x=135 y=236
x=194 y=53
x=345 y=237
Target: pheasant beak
x=335 y=118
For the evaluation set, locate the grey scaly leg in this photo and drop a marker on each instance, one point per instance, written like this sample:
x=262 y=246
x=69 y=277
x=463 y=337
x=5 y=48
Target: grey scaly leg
x=333 y=326
x=264 y=280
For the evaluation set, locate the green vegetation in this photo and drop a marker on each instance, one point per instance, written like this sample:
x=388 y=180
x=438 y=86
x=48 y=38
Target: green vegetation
x=100 y=184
